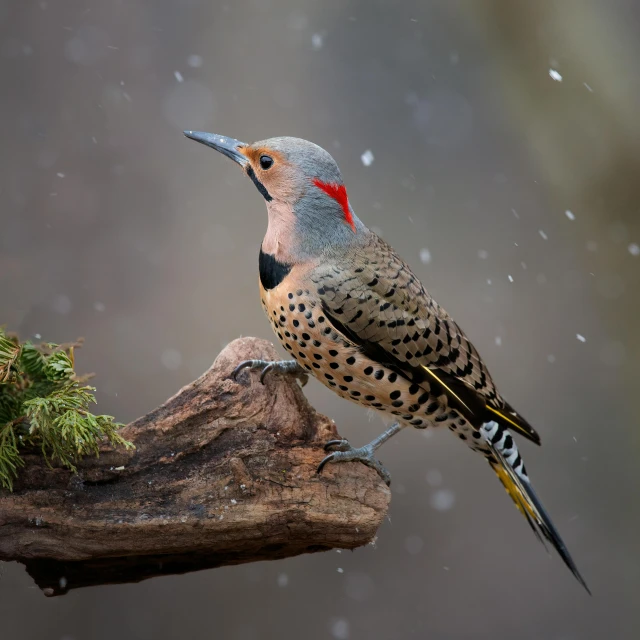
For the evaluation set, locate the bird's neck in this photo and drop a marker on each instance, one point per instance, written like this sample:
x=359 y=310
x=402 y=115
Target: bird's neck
x=278 y=240
x=308 y=235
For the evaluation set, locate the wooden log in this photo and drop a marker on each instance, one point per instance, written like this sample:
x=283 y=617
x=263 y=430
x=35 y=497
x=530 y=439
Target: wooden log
x=223 y=473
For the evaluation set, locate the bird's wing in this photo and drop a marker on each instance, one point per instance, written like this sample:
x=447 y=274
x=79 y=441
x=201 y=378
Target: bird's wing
x=373 y=297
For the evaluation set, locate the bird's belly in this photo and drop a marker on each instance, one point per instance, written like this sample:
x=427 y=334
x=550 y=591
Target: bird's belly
x=307 y=335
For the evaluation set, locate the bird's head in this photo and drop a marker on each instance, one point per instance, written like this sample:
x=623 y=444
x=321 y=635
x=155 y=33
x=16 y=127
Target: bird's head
x=301 y=183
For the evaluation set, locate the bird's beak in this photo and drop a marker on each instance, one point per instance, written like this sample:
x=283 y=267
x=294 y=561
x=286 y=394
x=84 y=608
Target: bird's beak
x=226 y=146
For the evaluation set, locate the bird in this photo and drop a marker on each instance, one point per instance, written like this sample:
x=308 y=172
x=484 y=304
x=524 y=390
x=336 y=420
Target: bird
x=352 y=313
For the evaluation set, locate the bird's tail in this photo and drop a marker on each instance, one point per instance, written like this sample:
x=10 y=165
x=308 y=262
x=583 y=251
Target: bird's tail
x=505 y=460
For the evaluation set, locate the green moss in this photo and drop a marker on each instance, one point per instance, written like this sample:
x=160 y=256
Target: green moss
x=43 y=403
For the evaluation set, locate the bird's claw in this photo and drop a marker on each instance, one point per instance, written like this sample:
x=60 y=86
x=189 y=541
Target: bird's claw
x=346 y=453
x=289 y=367
x=337 y=445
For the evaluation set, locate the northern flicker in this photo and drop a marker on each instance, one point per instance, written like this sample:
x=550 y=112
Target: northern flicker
x=352 y=313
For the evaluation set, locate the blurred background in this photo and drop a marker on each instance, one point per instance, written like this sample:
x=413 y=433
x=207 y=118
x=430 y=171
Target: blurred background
x=494 y=144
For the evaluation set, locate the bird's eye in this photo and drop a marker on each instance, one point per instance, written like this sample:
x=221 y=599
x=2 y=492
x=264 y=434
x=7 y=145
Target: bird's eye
x=266 y=162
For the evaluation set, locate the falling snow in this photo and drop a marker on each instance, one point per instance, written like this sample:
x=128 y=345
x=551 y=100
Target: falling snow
x=434 y=478
x=498 y=341
x=367 y=158
x=442 y=499
x=178 y=76
x=634 y=249
x=340 y=629
x=555 y=75
x=482 y=254
x=413 y=544
x=543 y=235
x=425 y=256
x=510 y=278
x=171 y=359
x=317 y=41
x=581 y=337
x=570 y=214
x=283 y=580
x=62 y=304
x=195 y=61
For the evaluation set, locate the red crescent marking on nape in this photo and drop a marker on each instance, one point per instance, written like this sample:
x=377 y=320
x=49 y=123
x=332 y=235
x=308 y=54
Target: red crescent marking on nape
x=339 y=194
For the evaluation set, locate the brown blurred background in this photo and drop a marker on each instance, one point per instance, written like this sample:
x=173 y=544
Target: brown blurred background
x=506 y=169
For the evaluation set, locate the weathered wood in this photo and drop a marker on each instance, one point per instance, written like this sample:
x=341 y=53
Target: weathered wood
x=223 y=473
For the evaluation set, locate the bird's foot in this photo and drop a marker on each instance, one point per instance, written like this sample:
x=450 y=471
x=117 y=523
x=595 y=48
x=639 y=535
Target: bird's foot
x=288 y=367
x=344 y=452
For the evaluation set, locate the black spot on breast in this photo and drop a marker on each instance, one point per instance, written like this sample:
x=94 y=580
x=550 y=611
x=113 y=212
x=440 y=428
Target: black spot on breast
x=333 y=352
x=351 y=360
x=394 y=395
x=368 y=371
x=379 y=374
x=296 y=323
x=432 y=407
x=348 y=378
x=334 y=365
x=272 y=272
x=393 y=376
x=370 y=398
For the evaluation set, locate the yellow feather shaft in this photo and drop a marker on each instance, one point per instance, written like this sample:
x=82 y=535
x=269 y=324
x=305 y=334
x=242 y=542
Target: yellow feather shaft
x=455 y=395
x=511 y=422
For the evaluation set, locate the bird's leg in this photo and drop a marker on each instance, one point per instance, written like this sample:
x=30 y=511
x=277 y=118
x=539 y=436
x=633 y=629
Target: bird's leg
x=288 y=367
x=346 y=453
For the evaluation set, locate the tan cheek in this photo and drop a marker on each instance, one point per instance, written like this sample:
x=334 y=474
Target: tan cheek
x=282 y=181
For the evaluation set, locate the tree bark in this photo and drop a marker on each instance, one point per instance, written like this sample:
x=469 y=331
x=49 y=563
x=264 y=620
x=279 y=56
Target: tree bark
x=223 y=473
